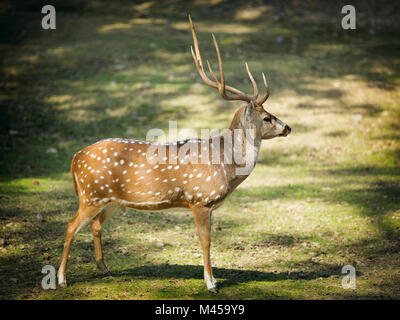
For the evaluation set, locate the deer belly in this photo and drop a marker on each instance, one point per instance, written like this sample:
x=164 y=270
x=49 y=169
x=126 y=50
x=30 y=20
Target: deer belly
x=151 y=206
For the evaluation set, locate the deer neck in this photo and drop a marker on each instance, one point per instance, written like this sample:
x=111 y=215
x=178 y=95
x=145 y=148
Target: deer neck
x=244 y=151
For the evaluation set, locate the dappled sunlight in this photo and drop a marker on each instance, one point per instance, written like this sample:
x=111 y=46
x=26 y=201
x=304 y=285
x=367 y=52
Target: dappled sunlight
x=200 y=3
x=332 y=48
x=251 y=14
x=115 y=26
x=12 y=71
x=60 y=51
x=169 y=58
x=30 y=58
x=227 y=28
x=322 y=197
x=150 y=21
x=132 y=22
x=144 y=5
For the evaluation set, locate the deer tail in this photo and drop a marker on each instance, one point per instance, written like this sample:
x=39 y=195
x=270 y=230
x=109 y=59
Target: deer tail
x=74 y=178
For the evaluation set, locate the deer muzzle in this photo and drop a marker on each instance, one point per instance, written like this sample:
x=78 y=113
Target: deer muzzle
x=286 y=131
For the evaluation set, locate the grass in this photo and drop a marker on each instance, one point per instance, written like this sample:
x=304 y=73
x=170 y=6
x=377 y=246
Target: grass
x=324 y=197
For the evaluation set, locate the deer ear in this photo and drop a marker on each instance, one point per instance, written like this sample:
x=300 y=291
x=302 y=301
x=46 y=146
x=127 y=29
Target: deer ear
x=247 y=113
x=251 y=106
x=249 y=109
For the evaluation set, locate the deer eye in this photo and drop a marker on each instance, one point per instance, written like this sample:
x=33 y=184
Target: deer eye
x=268 y=120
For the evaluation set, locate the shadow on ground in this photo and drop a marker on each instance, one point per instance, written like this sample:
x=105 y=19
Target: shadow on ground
x=228 y=277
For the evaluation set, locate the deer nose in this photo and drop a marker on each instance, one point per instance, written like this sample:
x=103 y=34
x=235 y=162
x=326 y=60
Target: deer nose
x=287 y=130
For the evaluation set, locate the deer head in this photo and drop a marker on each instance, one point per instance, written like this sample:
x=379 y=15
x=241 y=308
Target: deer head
x=252 y=115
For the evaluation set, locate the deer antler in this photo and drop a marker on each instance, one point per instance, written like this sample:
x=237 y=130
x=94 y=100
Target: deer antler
x=266 y=95
x=220 y=85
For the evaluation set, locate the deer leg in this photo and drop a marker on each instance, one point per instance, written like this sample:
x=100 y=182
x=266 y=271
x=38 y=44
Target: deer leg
x=96 y=225
x=202 y=218
x=83 y=216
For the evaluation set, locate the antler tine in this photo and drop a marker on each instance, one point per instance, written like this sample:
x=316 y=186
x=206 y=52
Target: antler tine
x=221 y=85
x=221 y=71
x=197 y=57
x=200 y=69
x=199 y=65
x=255 y=89
x=266 y=95
x=212 y=72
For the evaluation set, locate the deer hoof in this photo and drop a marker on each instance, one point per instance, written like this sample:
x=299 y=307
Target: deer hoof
x=213 y=289
x=62 y=283
x=105 y=272
x=102 y=267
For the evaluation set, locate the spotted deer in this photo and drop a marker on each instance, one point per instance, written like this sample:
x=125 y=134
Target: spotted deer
x=156 y=176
